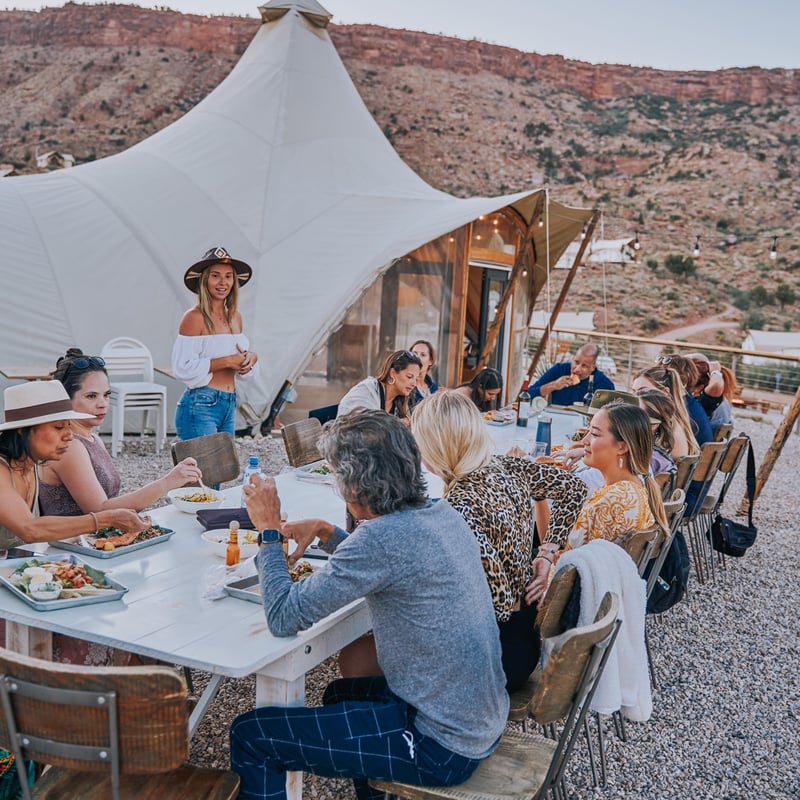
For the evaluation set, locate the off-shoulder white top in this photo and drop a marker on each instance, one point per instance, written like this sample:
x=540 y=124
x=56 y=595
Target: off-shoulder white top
x=191 y=356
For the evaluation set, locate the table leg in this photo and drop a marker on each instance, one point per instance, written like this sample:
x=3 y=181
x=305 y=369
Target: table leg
x=29 y=641
x=276 y=692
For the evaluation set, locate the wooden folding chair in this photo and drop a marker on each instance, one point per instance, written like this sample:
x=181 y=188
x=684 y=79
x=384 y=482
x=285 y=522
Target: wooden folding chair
x=107 y=732
x=526 y=765
x=300 y=440
x=642 y=546
x=216 y=455
x=723 y=432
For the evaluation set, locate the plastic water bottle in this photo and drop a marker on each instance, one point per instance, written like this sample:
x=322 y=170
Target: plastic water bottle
x=252 y=468
x=544 y=433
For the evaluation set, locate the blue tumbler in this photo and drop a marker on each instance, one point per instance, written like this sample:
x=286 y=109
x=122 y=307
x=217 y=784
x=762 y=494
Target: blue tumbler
x=543 y=432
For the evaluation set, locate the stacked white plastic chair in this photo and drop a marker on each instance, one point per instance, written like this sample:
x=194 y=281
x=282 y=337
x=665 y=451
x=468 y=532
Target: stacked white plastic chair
x=130 y=370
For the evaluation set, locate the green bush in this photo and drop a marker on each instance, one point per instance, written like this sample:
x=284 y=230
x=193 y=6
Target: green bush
x=680 y=265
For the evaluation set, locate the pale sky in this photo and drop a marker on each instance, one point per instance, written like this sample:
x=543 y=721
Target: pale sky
x=668 y=34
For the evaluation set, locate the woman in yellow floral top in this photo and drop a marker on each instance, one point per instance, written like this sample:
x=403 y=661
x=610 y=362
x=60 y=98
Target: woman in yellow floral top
x=619 y=444
x=496 y=494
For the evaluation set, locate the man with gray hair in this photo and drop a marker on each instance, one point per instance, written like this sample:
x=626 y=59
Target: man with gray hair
x=567 y=382
x=440 y=705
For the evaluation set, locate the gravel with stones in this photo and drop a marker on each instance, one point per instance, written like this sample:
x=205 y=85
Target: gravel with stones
x=725 y=721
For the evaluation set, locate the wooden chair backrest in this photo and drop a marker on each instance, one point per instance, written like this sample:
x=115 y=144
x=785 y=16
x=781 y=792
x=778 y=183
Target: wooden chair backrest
x=552 y=605
x=723 y=432
x=564 y=669
x=674 y=508
x=151 y=711
x=710 y=455
x=641 y=546
x=216 y=455
x=685 y=466
x=301 y=439
x=664 y=481
x=733 y=455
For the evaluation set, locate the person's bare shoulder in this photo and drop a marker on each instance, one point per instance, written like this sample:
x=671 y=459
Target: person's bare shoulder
x=192 y=323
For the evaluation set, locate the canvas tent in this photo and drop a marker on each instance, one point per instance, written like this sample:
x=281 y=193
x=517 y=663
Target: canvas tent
x=281 y=164
x=786 y=343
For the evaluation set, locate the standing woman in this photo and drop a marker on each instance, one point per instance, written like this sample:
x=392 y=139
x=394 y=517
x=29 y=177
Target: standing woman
x=389 y=390
x=36 y=431
x=484 y=389
x=85 y=478
x=426 y=385
x=211 y=349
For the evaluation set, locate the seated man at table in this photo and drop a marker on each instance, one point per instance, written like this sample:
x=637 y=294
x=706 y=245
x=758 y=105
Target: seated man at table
x=440 y=706
x=567 y=382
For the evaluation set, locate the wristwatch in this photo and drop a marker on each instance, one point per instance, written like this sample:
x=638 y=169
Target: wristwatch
x=269 y=536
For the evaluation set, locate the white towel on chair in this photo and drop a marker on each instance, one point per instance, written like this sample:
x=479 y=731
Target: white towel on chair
x=625 y=684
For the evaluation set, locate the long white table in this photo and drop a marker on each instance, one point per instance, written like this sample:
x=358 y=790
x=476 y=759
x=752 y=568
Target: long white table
x=165 y=615
x=563 y=426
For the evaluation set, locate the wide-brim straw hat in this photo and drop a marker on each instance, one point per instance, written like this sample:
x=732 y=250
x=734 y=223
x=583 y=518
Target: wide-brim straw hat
x=35 y=402
x=216 y=255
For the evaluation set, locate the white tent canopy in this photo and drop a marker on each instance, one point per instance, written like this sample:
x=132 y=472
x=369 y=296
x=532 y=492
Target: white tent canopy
x=781 y=343
x=281 y=164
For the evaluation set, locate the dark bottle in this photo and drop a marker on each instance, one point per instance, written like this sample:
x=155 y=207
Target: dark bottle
x=523 y=406
x=587 y=398
x=543 y=432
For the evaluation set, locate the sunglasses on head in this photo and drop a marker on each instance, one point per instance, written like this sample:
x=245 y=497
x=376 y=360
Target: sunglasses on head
x=84 y=362
x=663 y=360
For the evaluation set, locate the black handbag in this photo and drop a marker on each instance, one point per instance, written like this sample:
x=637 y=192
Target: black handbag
x=733 y=538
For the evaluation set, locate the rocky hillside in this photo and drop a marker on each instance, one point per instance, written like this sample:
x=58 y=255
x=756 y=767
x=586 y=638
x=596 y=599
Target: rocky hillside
x=672 y=155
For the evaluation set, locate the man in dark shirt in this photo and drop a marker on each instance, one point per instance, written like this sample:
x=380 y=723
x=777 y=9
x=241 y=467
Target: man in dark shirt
x=566 y=383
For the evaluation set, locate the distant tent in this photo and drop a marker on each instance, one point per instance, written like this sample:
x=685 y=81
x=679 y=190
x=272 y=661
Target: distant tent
x=281 y=164
x=601 y=251
x=779 y=343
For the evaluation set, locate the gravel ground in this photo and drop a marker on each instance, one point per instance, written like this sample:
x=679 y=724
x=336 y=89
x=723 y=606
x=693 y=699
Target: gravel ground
x=725 y=722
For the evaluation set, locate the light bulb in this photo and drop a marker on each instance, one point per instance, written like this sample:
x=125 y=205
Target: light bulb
x=773 y=251
x=696 y=250
x=637 y=245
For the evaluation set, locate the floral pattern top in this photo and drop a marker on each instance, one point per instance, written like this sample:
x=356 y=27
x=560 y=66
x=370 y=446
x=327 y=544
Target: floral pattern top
x=497 y=503
x=612 y=510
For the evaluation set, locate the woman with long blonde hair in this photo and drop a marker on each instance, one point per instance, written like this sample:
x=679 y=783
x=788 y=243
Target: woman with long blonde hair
x=211 y=351
x=496 y=496
x=667 y=381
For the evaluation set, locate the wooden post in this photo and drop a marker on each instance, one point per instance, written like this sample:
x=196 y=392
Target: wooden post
x=773 y=451
x=563 y=294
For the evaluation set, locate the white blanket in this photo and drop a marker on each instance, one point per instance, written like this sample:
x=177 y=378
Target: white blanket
x=625 y=684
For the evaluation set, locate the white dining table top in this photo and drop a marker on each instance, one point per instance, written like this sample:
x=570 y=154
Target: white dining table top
x=165 y=614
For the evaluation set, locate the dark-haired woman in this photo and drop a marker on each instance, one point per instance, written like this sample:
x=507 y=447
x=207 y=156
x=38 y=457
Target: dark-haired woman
x=85 y=478
x=387 y=391
x=484 y=389
x=426 y=385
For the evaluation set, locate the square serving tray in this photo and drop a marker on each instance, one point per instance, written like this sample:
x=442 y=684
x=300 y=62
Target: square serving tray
x=245 y=589
x=83 y=545
x=10 y=565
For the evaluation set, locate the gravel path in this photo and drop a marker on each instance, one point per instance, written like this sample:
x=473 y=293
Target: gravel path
x=725 y=723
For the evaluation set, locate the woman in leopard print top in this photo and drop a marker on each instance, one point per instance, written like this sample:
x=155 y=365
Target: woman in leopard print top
x=495 y=495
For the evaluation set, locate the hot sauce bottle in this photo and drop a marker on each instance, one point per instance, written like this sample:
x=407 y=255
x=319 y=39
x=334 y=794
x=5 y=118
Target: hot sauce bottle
x=232 y=553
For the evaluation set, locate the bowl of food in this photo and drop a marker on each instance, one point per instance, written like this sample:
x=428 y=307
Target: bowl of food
x=217 y=540
x=191 y=500
x=44 y=590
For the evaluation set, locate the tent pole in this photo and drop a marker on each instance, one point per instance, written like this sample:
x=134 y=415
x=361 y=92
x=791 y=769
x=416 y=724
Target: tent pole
x=563 y=294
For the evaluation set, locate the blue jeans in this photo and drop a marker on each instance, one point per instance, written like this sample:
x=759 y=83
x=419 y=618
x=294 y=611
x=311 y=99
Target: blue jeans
x=363 y=731
x=203 y=411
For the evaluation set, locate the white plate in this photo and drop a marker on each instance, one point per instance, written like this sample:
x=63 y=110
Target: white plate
x=217 y=540
x=306 y=473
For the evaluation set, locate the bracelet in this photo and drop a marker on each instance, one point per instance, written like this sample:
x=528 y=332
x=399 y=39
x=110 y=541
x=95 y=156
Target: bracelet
x=96 y=523
x=543 y=557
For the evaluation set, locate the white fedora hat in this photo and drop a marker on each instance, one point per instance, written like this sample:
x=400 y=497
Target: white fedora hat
x=35 y=402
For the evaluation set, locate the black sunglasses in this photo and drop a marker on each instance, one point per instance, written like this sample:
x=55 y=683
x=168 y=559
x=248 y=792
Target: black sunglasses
x=84 y=362
x=663 y=360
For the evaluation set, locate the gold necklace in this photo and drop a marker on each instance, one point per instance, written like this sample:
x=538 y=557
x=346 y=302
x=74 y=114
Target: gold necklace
x=27 y=476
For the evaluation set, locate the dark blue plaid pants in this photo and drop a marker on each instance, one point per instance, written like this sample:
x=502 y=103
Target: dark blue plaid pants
x=363 y=731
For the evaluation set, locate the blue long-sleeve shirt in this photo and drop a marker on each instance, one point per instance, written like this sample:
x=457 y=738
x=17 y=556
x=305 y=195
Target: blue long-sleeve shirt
x=571 y=394
x=432 y=616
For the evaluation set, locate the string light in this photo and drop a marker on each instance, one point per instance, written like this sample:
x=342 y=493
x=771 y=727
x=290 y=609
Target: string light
x=696 y=249
x=637 y=245
x=541 y=220
x=773 y=251
x=524 y=272
x=583 y=232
